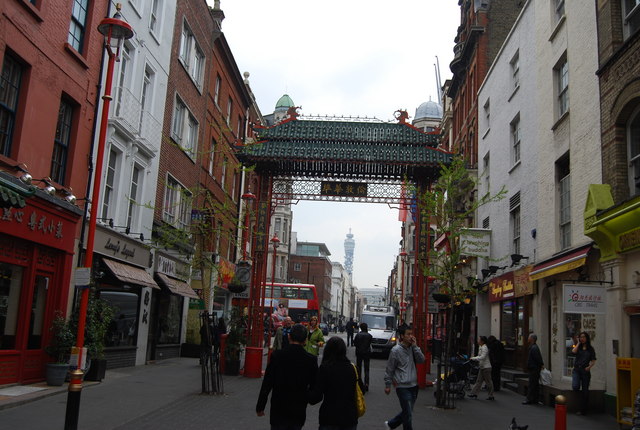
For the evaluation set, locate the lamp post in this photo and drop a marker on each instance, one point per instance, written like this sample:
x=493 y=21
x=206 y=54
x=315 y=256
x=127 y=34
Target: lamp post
x=247 y=197
x=403 y=254
x=115 y=32
x=275 y=242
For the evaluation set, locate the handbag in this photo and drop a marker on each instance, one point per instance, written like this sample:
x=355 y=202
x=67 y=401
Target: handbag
x=361 y=406
x=545 y=377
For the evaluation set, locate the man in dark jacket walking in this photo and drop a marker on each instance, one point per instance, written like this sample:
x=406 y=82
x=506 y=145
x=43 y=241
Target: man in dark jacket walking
x=362 y=343
x=290 y=374
x=534 y=366
x=351 y=328
x=496 y=357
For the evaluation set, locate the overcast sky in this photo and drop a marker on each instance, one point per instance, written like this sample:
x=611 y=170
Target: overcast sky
x=351 y=58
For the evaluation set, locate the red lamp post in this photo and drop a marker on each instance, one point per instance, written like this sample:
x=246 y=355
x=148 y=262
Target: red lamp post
x=115 y=32
x=275 y=242
x=403 y=305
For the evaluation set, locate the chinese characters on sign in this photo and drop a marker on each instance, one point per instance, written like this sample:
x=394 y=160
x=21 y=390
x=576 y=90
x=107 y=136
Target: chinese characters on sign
x=34 y=222
x=581 y=299
x=343 y=189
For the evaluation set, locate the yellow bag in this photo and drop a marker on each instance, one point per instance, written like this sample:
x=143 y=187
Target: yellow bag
x=361 y=406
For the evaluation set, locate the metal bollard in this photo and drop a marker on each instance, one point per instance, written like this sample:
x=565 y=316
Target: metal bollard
x=561 y=413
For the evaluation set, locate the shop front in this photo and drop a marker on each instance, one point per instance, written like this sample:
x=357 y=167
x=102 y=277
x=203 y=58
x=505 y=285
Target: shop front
x=510 y=296
x=36 y=261
x=616 y=231
x=122 y=280
x=169 y=307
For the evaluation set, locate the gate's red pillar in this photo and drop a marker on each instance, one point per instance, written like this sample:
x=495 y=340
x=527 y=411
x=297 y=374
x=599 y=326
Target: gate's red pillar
x=259 y=250
x=421 y=287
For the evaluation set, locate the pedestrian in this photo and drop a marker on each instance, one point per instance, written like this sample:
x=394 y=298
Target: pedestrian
x=534 y=366
x=362 y=342
x=281 y=338
x=336 y=388
x=222 y=327
x=351 y=327
x=403 y=325
x=315 y=339
x=484 y=364
x=401 y=372
x=581 y=374
x=289 y=377
x=496 y=357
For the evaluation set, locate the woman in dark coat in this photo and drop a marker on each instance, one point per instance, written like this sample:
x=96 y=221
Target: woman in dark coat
x=336 y=384
x=496 y=357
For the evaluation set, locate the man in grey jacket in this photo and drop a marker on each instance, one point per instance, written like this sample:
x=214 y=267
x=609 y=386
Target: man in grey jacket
x=401 y=372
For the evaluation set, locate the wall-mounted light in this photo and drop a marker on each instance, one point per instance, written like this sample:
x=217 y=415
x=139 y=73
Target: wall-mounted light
x=68 y=196
x=494 y=269
x=516 y=258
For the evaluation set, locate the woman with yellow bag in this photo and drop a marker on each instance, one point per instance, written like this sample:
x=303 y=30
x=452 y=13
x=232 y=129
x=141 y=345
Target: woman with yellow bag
x=337 y=387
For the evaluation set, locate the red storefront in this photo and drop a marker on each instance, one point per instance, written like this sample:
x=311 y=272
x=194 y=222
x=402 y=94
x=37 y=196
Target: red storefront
x=36 y=263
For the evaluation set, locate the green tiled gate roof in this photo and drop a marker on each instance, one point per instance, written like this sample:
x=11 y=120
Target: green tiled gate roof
x=345 y=148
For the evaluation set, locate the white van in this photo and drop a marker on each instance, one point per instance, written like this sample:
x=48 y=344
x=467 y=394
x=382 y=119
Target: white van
x=381 y=322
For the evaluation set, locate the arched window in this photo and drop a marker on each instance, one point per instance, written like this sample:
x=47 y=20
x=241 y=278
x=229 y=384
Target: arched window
x=633 y=139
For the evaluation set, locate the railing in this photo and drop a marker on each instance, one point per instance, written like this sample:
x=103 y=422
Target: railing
x=128 y=113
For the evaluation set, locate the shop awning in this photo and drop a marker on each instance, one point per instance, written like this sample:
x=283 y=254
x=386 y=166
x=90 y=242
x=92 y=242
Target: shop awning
x=130 y=274
x=177 y=287
x=561 y=263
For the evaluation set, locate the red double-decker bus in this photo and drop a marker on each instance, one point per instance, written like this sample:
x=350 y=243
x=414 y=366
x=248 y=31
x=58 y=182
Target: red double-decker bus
x=299 y=301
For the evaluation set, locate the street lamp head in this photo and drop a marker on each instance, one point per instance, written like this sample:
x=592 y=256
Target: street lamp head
x=248 y=196
x=115 y=32
x=403 y=253
x=275 y=241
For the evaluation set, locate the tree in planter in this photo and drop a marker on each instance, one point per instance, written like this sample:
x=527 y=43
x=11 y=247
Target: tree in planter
x=451 y=205
x=59 y=348
x=236 y=340
x=100 y=315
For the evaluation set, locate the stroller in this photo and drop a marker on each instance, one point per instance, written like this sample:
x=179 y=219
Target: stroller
x=457 y=381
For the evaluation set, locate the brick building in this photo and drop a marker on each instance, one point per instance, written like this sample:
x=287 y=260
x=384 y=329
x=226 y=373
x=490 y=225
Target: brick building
x=483 y=27
x=612 y=214
x=309 y=264
x=50 y=59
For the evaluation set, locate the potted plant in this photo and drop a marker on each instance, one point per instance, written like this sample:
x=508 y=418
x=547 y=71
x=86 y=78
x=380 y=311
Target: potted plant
x=236 y=340
x=235 y=286
x=59 y=348
x=100 y=315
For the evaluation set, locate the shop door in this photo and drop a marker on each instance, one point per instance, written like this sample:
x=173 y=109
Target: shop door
x=35 y=335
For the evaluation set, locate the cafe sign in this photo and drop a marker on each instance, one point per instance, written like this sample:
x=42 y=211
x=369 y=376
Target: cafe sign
x=583 y=299
x=501 y=288
x=475 y=242
x=522 y=284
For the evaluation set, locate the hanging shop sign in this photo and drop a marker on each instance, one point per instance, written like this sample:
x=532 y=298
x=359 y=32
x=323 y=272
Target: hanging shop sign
x=475 y=242
x=115 y=245
x=501 y=288
x=226 y=272
x=522 y=285
x=584 y=299
x=343 y=189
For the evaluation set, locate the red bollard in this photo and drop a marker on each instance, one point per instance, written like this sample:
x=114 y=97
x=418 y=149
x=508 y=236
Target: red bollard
x=561 y=413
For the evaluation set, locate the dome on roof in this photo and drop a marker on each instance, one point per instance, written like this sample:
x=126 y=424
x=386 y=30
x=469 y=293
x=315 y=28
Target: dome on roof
x=429 y=109
x=284 y=102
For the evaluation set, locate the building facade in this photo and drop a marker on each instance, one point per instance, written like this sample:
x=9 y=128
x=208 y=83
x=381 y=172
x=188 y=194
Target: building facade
x=50 y=57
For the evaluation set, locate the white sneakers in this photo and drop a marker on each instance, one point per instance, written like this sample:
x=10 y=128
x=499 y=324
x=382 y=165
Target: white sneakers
x=386 y=425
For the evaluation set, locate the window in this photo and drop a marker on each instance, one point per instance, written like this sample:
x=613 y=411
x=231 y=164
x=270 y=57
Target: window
x=218 y=234
x=185 y=128
x=240 y=127
x=564 y=194
x=145 y=97
x=487 y=176
x=123 y=328
x=285 y=230
x=109 y=198
x=223 y=176
x=297 y=267
x=631 y=15
x=153 y=18
x=514 y=211
x=9 y=92
x=487 y=114
x=559 y=9
x=10 y=292
x=573 y=326
x=515 y=70
x=278 y=227
x=485 y=223
x=191 y=55
x=61 y=142
x=78 y=23
x=633 y=135
x=216 y=94
x=177 y=204
x=212 y=157
x=123 y=79
x=562 y=78
x=229 y=110
x=134 y=196
x=233 y=186
x=515 y=139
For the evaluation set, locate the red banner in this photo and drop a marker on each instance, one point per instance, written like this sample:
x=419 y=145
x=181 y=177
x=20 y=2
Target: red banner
x=501 y=288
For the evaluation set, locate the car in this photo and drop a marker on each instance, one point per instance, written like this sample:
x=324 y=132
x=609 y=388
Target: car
x=325 y=328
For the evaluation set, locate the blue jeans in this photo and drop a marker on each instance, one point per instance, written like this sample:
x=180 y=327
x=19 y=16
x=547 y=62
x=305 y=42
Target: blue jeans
x=580 y=379
x=407 y=397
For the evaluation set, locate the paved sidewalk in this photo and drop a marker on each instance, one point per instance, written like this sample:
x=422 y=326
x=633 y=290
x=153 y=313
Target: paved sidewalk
x=166 y=395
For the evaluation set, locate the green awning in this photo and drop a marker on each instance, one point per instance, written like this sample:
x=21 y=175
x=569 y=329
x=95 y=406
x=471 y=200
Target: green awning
x=10 y=199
